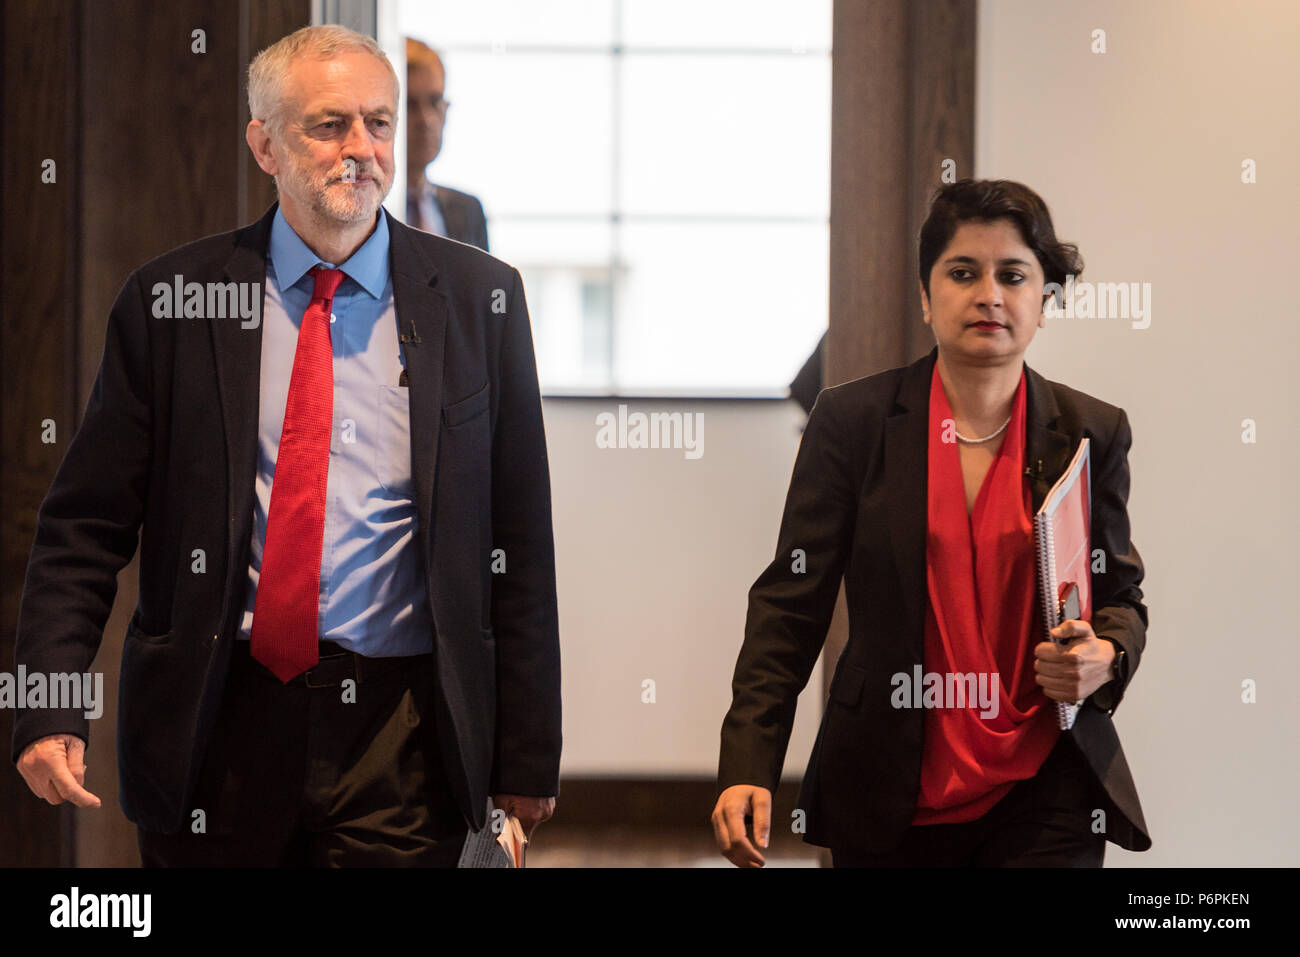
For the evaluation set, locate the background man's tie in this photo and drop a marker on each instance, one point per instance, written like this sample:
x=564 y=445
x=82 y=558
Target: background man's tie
x=284 y=634
x=414 y=214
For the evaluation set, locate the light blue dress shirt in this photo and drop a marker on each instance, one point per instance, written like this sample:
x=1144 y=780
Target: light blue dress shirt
x=372 y=598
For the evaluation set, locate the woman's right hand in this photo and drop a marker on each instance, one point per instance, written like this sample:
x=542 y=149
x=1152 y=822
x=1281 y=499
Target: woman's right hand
x=734 y=805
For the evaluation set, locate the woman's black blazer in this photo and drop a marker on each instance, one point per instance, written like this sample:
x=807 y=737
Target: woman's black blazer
x=856 y=510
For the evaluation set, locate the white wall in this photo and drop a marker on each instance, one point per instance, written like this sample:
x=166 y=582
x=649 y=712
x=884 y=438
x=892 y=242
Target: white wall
x=655 y=555
x=1138 y=154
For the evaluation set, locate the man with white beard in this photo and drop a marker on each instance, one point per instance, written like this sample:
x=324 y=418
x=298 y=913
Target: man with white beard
x=322 y=668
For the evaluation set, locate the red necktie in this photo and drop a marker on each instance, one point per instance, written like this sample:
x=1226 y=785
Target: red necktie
x=284 y=635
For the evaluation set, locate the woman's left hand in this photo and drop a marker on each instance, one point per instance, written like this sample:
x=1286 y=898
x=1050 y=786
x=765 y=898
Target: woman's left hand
x=1075 y=670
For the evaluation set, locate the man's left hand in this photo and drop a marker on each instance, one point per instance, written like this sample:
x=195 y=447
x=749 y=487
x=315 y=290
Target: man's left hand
x=531 y=811
x=1075 y=670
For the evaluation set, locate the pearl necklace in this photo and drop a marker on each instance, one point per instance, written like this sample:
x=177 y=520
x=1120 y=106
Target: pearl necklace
x=987 y=437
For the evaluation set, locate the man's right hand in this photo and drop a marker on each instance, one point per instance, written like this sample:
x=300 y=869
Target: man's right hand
x=734 y=804
x=53 y=768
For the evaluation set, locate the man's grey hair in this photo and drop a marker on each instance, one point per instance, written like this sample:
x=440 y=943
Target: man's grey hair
x=269 y=68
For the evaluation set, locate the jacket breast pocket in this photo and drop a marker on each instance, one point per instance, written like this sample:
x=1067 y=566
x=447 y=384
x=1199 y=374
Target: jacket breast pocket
x=462 y=411
x=393 y=439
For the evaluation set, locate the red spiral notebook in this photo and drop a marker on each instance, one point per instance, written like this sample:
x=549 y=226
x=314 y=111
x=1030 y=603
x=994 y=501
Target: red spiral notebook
x=1062 y=533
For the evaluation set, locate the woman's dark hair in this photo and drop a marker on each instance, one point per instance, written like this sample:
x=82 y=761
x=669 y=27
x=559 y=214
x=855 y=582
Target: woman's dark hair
x=985 y=200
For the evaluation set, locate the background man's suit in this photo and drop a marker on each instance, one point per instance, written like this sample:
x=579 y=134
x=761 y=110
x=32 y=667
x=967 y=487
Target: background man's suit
x=857 y=507
x=169 y=443
x=462 y=216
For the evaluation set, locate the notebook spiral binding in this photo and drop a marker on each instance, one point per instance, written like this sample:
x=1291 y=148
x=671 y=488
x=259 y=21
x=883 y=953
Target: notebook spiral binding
x=1065 y=711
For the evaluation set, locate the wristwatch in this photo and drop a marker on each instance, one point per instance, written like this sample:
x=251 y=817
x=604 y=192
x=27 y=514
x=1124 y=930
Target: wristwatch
x=1119 y=665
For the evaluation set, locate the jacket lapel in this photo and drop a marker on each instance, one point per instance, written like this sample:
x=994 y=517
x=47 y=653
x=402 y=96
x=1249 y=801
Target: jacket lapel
x=1047 y=452
x=906 y=463
x=422 y=324
x=237 y=356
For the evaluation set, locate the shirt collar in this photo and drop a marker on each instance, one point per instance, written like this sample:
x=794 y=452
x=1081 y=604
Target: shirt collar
x=291 y=258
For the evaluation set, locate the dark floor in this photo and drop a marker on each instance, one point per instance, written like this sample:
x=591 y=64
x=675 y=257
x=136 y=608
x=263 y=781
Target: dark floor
x=632 y=846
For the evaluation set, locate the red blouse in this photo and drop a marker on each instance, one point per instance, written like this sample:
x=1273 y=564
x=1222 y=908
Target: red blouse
x=981 y=618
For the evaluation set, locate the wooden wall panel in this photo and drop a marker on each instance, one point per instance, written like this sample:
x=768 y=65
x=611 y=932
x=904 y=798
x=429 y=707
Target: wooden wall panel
x=38 y=341
x=942 y=127
x=869 y=173
x=150 y=140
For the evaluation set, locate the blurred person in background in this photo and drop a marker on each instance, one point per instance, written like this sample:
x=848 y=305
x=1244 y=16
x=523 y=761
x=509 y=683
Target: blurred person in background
x=433 y=208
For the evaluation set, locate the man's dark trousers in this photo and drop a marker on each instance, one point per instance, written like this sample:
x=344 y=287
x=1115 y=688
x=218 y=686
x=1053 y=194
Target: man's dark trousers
x=320 y=773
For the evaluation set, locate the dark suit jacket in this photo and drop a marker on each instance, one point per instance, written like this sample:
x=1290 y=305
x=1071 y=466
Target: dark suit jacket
x=857 y=507
x=463 y=216
x=169 y=441
x=808 y=380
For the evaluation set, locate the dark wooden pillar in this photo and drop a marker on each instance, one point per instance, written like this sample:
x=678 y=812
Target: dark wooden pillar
x=148 y=138
x=39 y=308
x=902 y=101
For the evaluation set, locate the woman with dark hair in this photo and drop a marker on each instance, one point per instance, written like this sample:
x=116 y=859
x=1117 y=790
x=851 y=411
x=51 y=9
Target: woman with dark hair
x=917 y=488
